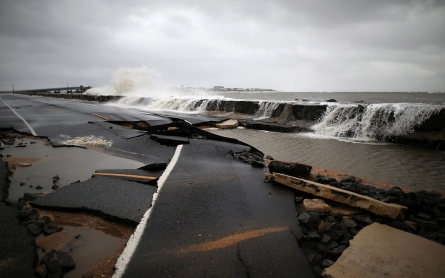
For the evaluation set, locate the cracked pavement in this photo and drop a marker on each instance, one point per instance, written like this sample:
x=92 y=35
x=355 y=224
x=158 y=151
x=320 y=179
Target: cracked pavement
x=213 y=215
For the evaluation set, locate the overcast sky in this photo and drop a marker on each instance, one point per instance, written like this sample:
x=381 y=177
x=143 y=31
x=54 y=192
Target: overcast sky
x=284 y=45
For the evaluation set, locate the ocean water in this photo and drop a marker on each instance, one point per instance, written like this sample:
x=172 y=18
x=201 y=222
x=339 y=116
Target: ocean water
x=365 y=115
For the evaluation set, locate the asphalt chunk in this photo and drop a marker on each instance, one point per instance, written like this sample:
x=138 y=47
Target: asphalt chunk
x=108 y=197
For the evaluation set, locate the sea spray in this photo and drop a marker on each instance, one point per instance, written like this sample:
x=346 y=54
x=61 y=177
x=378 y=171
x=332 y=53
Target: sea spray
x=133 y=81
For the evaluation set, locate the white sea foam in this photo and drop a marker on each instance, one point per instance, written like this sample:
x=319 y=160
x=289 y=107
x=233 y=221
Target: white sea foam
x=369 y=122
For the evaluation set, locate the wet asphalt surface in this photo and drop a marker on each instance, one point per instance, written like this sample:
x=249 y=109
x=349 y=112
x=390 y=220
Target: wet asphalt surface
x=214 y=215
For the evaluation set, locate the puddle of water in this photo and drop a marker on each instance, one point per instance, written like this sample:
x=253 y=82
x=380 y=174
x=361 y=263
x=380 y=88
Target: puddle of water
x=91 y=247
x=70 y=164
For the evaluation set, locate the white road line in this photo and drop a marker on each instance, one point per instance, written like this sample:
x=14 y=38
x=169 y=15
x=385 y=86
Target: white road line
x=26 y=123
x=133 y=242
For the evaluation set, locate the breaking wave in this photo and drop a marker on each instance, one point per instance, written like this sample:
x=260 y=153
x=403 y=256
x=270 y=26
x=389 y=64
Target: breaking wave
x=144 y=89
x=373 y=121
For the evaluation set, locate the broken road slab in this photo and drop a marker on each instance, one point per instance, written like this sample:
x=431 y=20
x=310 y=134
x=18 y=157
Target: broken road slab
x=339 y=195
x=208 y=204
x=381 y=251
x=170 y=140
x=105 y=196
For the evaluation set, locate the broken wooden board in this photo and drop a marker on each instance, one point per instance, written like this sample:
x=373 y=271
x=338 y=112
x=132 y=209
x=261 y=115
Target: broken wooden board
x=382 y=251
x=339 y=195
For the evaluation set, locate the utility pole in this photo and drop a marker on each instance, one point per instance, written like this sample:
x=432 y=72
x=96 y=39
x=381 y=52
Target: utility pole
x=12 y=87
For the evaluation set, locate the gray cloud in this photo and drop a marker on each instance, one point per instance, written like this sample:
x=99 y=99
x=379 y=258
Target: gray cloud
x=285 y=45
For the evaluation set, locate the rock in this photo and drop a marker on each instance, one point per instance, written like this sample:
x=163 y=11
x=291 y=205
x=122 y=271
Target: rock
x=399 y=225
x=331 y=100
x=45 y=219
x=338 y=216
x=353 y=232
x=349 y=223
x=53 y=266
x=397 y=192
x=304 y=217
x=326 y=263
x=41 y=271
x=56 y=177
x=390 y=199
x=312 y=237
x=336 y=252
x=362 y=219
x=325 y=239
x=427 y=225
x=65 y=260
x=314 y=219
x=51 y=228
x=423 y=216
x=29 y=197
x=330 y=218
x=34 y=229
x=413 y=229
x=350 y=179
x=26 y=212
x=317 y=271
x=24 y=164
x=298 y=199
x=316 y=204
x=22 y=183
x=38 y=187
x=336 y=235
x=269 y=157
x=291 y=169
x=55 y=187
x=331 y=245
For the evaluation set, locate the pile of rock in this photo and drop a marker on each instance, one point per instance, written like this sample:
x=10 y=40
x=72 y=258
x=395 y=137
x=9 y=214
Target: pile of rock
x=326 y=234
x=53 y=262
x=35 y=223
x=426 y=210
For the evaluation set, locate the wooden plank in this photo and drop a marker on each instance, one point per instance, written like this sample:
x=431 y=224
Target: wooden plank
x=125 y=176
x=339 y=195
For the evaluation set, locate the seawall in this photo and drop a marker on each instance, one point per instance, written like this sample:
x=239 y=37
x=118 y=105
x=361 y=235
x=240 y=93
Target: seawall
x=427 y=127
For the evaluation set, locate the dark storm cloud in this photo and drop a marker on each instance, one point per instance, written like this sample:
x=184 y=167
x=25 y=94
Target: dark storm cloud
x=288 y=45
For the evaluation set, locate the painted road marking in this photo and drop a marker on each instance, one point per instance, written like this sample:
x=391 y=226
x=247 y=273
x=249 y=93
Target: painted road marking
x=100 y=116
x=125 y=176
x=21 y=118
x=133 y=242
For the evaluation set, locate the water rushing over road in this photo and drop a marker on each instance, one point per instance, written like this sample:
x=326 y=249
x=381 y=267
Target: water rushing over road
x=394 y=164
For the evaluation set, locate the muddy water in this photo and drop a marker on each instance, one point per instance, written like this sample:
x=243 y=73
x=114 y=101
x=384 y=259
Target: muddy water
x=87 y=247
x=394 y=164
x=70 y=164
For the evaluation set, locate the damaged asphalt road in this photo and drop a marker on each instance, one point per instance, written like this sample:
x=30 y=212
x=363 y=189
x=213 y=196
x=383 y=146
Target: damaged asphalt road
x=212 y=215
